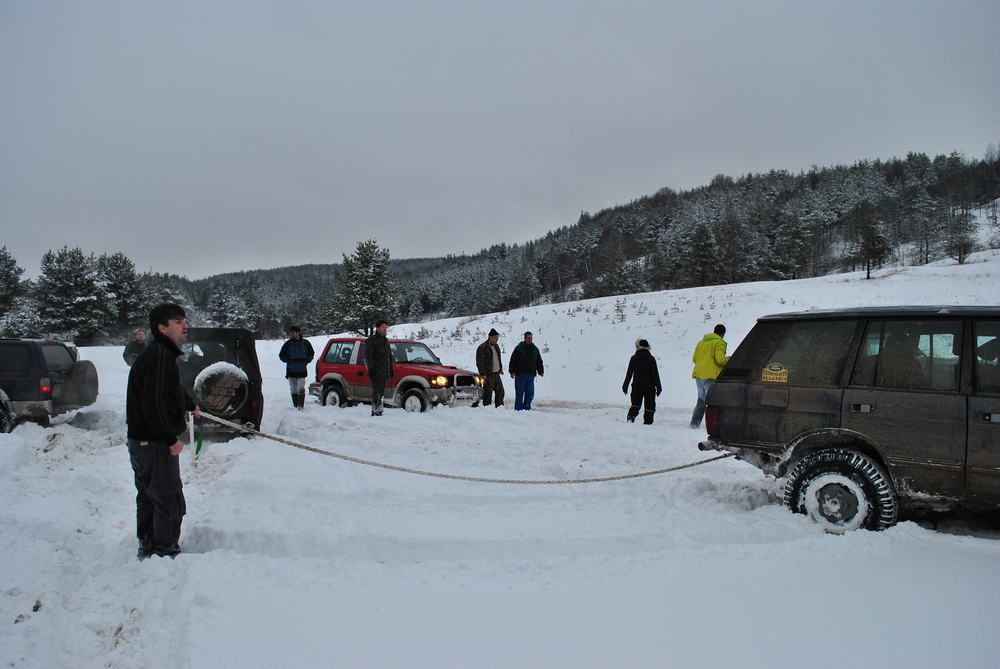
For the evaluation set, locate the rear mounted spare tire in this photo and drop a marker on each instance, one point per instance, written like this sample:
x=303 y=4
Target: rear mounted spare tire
x=222 y=389
x=842 y=490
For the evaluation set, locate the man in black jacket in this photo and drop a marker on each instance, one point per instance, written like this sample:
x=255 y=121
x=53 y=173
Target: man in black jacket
x=378 y=360
x=155 y=408
x=645 y=382
x=525 y=363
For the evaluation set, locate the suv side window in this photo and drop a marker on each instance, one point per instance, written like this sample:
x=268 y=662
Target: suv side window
x=812 y=353
x=339 y=353
x=15 y=358
x=910 y=355
x=987 y=344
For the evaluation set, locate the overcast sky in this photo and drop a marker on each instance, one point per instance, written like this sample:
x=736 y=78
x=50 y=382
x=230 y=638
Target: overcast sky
x=208 y=137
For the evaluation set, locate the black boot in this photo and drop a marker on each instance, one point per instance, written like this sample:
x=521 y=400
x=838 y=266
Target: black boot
x=302 y=401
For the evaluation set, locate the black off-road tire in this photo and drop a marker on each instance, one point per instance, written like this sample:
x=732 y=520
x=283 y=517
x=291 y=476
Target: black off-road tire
x=842 y=490
x=414 y=400
x=333 y=396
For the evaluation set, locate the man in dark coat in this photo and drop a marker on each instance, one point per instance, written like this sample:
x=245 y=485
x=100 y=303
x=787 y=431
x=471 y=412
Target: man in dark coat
x=155 y=408
x=645 y=382
x=525 y=363
x=489 y=362
x=378 y=360
x=134 y=347
x=296 y=353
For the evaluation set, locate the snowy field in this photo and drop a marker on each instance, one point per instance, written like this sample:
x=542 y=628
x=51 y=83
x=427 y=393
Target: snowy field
x=294 y=559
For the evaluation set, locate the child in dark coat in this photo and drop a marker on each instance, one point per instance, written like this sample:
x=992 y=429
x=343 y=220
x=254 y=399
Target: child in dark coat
x=645 y=382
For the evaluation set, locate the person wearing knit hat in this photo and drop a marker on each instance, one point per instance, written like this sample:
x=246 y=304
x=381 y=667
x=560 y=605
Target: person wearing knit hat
x=489 y=362
x=645 y=378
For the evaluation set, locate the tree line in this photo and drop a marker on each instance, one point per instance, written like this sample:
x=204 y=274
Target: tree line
x=772 y=226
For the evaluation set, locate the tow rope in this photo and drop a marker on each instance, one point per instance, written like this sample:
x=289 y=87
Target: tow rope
x=456 y=477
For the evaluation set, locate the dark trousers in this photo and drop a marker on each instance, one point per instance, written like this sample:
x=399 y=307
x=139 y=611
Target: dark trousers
x=639 y=395
x=159 y=500
x=378 y=392
x=493 y=385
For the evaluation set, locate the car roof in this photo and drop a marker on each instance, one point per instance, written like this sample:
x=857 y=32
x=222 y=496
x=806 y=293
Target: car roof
x=394 y=341
x=886 y=312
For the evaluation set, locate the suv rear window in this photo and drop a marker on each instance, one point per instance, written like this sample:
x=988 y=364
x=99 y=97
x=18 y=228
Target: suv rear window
x=910 y=355
x=987 y=353
x=57 y=357
x=15 y=358
x=812 y=353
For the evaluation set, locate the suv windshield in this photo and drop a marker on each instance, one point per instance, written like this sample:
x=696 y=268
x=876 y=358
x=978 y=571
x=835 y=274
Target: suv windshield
x=413 y=352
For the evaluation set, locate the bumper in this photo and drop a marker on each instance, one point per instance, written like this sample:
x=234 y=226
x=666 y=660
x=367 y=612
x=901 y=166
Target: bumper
x=32 y=409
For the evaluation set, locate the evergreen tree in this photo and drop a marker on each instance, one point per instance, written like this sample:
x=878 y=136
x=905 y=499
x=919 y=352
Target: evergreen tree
x=71 y=295
x=122 y=286
x=10 y=280
x=367 y=291
x=960 y=236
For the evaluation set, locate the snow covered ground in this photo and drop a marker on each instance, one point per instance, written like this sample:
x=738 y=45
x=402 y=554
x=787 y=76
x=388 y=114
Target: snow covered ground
x=293 y=559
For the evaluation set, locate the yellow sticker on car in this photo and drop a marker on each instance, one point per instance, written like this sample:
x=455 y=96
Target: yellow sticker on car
x=774 y=373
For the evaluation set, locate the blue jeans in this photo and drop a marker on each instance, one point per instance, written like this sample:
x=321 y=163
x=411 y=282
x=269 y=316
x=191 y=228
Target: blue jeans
x=524 y=391
x=699 y=409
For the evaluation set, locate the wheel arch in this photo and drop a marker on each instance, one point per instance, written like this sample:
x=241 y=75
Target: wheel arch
x=828 y=438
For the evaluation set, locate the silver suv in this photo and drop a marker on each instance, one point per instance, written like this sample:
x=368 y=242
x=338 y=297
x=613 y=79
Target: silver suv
x=866 y=409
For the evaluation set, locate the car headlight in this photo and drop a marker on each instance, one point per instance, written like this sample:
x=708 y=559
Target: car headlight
x=480 y=380
x=439 y=381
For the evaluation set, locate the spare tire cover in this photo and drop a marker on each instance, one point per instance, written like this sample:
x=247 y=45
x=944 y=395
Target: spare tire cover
x=222 y=389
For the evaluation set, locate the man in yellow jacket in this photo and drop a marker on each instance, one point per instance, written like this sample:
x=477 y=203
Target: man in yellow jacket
x=709 y=358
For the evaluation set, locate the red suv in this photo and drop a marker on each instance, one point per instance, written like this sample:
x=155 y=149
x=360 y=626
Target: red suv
x=420 y=380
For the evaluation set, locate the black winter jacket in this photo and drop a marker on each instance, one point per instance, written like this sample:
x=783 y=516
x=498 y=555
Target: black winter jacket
x=155 y=401
x=526 y=359
x=643 y=367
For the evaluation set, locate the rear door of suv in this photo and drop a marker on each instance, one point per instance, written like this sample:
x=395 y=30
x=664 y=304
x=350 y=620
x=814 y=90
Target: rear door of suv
x=983 y=475
x=905 y=395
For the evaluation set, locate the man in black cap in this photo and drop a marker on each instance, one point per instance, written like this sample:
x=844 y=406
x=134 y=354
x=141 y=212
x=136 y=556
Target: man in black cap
x=488 y=361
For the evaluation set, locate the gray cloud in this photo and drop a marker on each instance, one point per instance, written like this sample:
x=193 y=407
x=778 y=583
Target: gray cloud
x=207 y=137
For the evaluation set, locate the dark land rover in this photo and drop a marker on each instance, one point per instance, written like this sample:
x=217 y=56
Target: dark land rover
x=41 y=378
x=220 y=370
x=866 y=409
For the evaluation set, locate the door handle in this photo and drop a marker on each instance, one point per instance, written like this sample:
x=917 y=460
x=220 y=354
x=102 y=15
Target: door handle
x=862 y=408
x=989 y=418
x=361 y=372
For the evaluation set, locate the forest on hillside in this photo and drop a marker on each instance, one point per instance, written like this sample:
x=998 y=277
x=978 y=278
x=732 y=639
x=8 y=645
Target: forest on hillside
x=772 y=226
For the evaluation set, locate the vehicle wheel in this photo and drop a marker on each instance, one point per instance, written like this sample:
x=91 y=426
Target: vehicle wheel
x=333 y=396
x=842 y=490
x=6 y=423
x=415 y=400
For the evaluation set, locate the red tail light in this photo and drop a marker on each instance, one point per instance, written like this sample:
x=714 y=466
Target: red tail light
x=712 y=421
x=45 y=385
x=255 y=407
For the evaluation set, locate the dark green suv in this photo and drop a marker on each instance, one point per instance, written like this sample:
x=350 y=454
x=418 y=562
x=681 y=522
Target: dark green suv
x=40 y=378
x=866 y=409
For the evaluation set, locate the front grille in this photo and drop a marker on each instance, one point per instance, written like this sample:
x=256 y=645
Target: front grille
x=464 y=380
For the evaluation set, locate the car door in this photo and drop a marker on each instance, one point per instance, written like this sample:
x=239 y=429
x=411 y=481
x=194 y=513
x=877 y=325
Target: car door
x=904 y=395
x=982 y=478
x=19 y=371
x=360 y=384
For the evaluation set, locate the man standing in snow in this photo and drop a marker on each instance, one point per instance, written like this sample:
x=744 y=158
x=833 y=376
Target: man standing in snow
x=525 y=362
x=709 y=358
x=296 y=353
x=134 y=347
x=378 y=360
x=155 y=408
x=645 y=382
x=489 y=362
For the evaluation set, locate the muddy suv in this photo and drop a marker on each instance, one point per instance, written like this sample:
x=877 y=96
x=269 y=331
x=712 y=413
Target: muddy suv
x=866 y=409
x=41 y=378
x=220 y=370
x=420 y=382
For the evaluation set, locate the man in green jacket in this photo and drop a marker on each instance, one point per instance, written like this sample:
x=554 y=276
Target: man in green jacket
x=709 y=358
